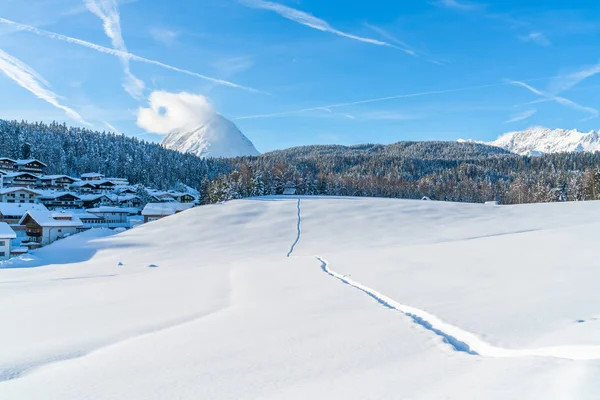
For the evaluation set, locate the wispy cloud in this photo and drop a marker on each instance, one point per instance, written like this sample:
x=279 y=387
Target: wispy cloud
x=233 y=65
x=401 y=45
x=558 y=99
x=568 y=81
x=107 y=11
x=112 y=128
x=30 y=80
x=537 y=38
x=164 y=35
x=521 y=116
x=380 y=99
x=309 y=20
x=118 y=53
x=458 y=5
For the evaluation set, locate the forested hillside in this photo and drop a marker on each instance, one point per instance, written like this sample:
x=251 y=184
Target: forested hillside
x=73 y=151
x=466 y=172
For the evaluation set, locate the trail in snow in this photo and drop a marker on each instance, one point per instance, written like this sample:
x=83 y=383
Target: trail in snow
x=461 y=340
x=299 y=231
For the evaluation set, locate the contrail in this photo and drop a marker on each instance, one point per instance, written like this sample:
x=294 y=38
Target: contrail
x=108 y=12
x=118 y=53
x=379 y=99
x=30 y=80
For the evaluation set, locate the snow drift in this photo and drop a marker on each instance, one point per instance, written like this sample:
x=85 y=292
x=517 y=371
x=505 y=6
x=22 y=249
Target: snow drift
x=416 y=300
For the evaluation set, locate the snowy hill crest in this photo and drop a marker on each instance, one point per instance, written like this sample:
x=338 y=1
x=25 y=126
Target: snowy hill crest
x=216 y=137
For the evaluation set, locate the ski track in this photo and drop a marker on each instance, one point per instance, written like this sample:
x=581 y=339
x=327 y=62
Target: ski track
x=461 y=340
x=299 y=231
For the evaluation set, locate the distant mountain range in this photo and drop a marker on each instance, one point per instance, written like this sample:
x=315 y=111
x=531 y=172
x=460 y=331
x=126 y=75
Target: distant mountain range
x=538 y=140
x=217 y=137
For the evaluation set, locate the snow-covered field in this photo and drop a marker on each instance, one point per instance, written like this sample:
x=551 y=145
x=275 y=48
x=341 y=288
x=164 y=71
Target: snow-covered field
x=378 y=299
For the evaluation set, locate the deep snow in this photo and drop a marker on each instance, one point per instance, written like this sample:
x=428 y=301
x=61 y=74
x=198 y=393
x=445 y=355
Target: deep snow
x=378 y=299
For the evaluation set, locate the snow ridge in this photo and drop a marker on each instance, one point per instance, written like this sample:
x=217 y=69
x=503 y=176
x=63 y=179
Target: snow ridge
x=299 y=231
x=461 y=340
x=538 y=140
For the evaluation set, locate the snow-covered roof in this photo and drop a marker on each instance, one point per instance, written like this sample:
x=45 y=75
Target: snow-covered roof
x=19 y=209
x=165 y=208
x=6 y=231
x=7 y=159
x=53 y=177
x=124 y=197
x=107 y=209
x=91 y=196
x=17 y=174
x=53 y=219
x=83 y=183
x=92 y=175
x=87 y=215
x=18 y=189
x=25 y=162
x=55 y=195
x=19 y=250
x=103 y=182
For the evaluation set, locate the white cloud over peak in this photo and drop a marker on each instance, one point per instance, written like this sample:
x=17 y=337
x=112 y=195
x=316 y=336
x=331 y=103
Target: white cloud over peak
x=107 y=11
x=29 y=79
x=169 y=111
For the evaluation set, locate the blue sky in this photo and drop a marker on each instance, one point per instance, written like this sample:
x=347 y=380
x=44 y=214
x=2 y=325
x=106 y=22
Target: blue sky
x=297 y=72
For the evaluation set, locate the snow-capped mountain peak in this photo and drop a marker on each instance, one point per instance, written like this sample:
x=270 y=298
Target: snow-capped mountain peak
x=215 y=137
x=538 y=140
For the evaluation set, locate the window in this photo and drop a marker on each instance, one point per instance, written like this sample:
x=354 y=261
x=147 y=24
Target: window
x=2 y=254
x=2 y=243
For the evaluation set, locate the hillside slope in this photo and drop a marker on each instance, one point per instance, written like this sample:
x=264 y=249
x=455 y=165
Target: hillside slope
x=442 y=300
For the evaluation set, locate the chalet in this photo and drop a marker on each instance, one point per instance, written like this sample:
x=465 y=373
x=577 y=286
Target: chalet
x=160 y=196
x=126 y=200
x=56 y=181
x=23 y=179
x=32 y=166
x=114 y=216
x=125 y=190
x=90 y=221
x=6 y=235
x=11 y=213
x=45 y=227
x=54 y=200
x=118 y=181
x=92 y=176
x=104 y=184
x=154 y=211
x=94 y=200
x=7 y=164
x=183 y=197
x=83 y=186
x=18 y=195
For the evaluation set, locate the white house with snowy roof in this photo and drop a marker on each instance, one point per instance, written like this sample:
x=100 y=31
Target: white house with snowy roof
x=45 y=227
x=18 y=195
x=6 y=235
x=154 y=211
x=11 y=213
